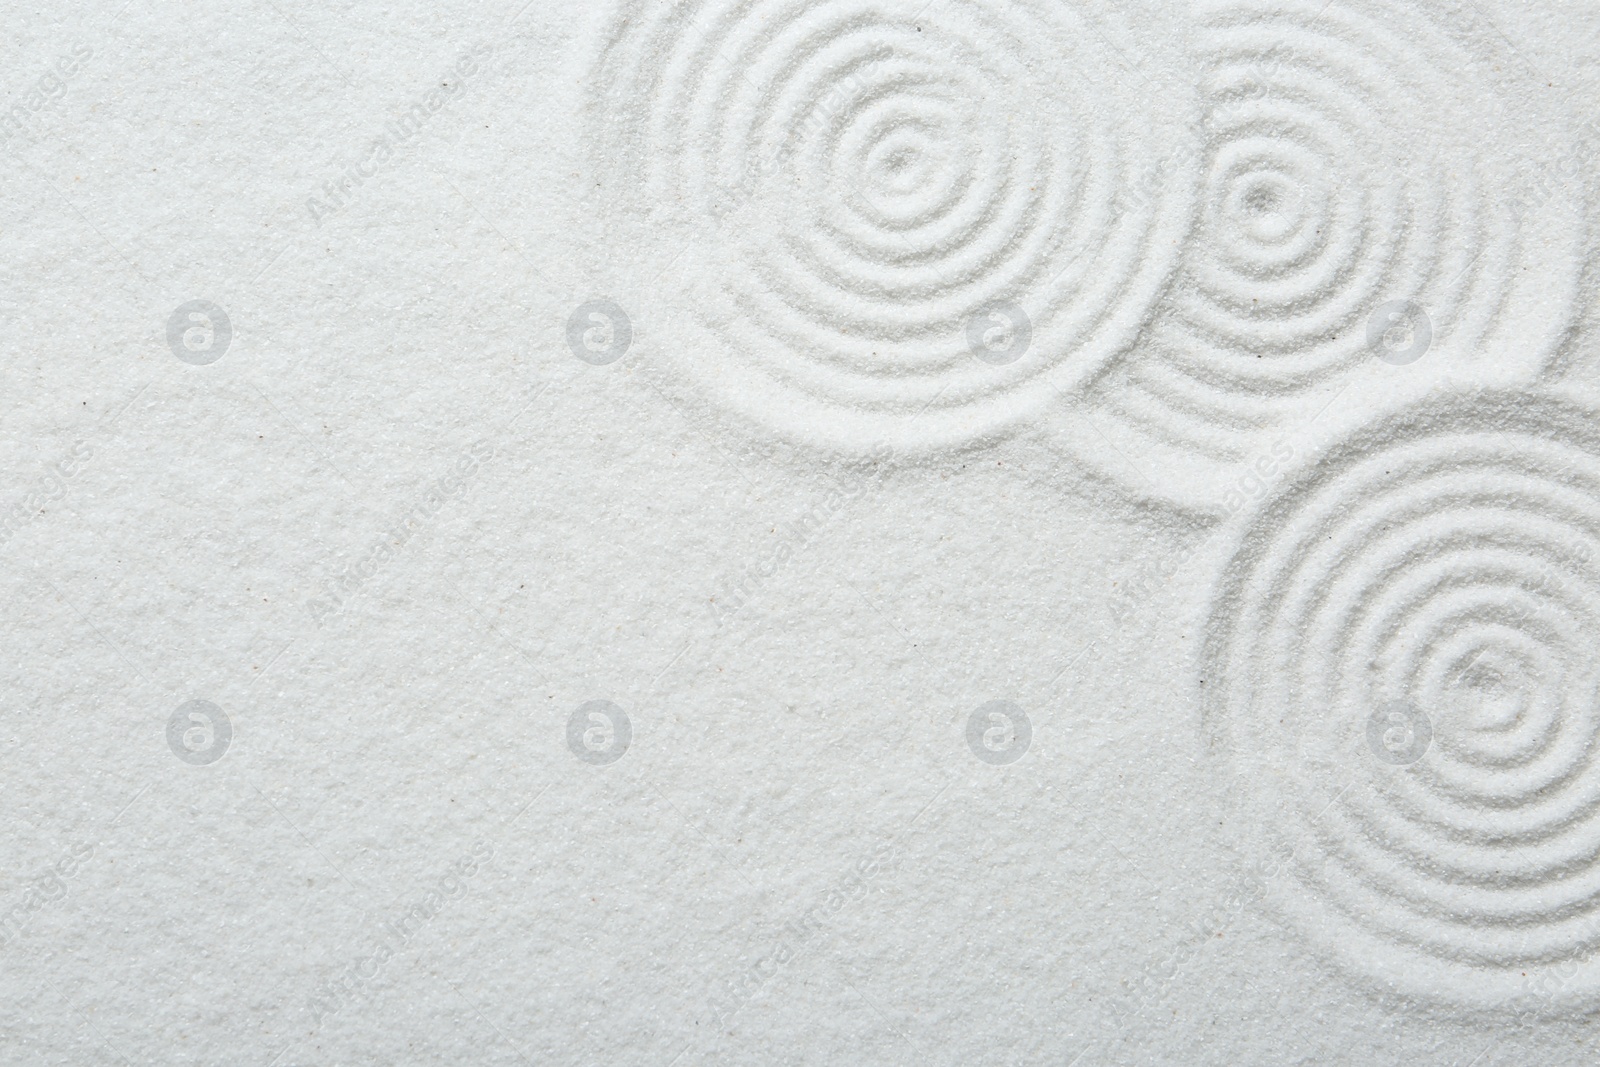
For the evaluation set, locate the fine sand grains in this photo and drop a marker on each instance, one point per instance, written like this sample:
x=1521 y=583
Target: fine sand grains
x=1401 y=679
x=1175 y=240
x=904 y=222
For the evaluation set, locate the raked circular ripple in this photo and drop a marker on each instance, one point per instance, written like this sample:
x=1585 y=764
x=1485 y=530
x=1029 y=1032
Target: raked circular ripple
x=1446 y=562
x=841 y=186
x=1354 y=159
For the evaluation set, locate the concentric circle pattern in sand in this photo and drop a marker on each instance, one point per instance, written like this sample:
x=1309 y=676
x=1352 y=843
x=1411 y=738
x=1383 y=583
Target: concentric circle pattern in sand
x=1439 y=574
x=848 y=183
x=1345 y=171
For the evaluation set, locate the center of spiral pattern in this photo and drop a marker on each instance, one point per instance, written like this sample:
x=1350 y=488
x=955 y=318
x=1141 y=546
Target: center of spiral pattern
x=1346 y=173
x=1402 y=664
x=851 y=182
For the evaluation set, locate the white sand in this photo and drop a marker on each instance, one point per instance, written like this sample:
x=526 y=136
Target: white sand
x=801 y=531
